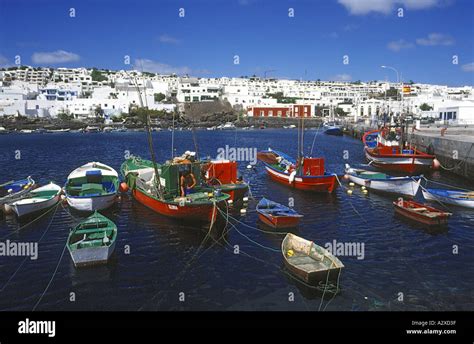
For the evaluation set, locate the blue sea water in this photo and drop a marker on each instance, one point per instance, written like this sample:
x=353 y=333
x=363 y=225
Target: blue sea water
x=405 y=266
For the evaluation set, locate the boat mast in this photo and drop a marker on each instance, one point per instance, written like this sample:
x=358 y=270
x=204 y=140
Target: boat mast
x=150 y=142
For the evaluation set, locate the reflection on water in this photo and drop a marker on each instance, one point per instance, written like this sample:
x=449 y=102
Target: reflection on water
x=157 y=258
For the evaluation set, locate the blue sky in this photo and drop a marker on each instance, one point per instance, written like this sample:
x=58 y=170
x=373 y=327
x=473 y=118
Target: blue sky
x=310 y=45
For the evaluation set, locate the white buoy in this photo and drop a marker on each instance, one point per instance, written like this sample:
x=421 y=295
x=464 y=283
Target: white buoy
x=349 y=192
x=245 y=199
x=351 y=184
x=365 y=192
x=230 y=201
x=243 y=211
x=362 y=188
x=8 y=209
x=249 y=166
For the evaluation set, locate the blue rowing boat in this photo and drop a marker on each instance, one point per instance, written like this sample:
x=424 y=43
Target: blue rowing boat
x=277 y=215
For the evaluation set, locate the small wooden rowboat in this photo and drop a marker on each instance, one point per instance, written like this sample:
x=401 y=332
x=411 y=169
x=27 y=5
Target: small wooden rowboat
x=93 y=186
x=421 y=212
x=277 y=215
x=308 y=261
x=92 y=241
x=407 y=186
x=37 y=200
x=459 y=198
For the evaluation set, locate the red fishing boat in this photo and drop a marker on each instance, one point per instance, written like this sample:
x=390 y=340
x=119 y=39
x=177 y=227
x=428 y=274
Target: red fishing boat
x=305 y=174
x=203 y=205
x=384 y=149
x=223 y=174
x=421 y=212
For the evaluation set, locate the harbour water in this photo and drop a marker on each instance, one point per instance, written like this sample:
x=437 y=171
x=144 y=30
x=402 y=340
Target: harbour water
x=405 y=267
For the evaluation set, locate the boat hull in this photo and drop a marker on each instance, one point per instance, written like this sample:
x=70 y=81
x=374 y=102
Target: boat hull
x=440 y=220
x=325 y=183
x=280 y=221
x=91 y=203
x=466 y=203
x=92 y=255
x=399 y=163
x=202 y=213
x=401 y=186
x=31 y=208
x=235 y=191
x=312 y=278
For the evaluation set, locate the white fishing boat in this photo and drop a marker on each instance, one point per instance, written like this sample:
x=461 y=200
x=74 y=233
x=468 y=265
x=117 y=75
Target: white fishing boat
x=407 y=186
x=91 y=187
x=37 y=200
x=459 y=198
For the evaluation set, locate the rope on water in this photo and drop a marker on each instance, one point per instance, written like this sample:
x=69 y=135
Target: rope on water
x=29 y=223
x=24 y=260
x=451 y=186
x=51 y=280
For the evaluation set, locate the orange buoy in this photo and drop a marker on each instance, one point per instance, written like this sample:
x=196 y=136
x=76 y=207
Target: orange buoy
x=346 y=177
x=436 y=164
x=123 y=187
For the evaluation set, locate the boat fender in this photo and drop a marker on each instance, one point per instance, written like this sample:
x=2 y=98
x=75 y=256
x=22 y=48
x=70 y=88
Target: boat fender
x=346 y=177
x=349 y=192
x=230 y=201
x=123 y=187
x=436 y=164
x=351 y=184
x=290 y=253
x=365 y=192
x=292 y=177
x=245 y=199
x=243 y=211
x=249 y=167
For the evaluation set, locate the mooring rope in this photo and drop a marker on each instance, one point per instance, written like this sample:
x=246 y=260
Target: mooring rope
x=24 y=260
x=29 y=223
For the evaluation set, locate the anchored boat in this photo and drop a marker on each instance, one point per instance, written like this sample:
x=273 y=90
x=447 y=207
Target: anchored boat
x=92 y=241
x=37 y=200
x=91 y=187
x=308 y=261
x=385 y=150
x=459 y=198
x=277 y=215
x=330 y=128
x=305 y=174
x=204 y=205
x=15 y=190
x=223 y=174
x=421 y=212
x=407 y=186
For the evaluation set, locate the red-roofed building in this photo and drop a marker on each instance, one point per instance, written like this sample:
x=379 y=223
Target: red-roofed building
x=281 y=110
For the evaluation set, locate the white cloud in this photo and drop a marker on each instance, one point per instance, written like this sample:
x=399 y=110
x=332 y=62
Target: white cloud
x=157 y=67
x=436 y=39
x=331 y=35
x=399 y=45
x=468 y=67
x=342 y=77
x=168 y=39
x=350 y=27
x=361 y=7
x=54 y=57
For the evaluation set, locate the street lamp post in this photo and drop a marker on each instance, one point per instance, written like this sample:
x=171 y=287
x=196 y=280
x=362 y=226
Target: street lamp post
x=398 y=76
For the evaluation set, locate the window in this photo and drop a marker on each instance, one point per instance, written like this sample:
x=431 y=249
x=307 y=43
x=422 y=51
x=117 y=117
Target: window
x=440 y=115
x=305 y=109
x=279 y=113
x=454 y=115
x=296 y=109
x=270 y=113
x=262 y=113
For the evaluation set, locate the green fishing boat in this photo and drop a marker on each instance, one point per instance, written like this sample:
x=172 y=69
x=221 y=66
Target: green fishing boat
x=92 y=241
